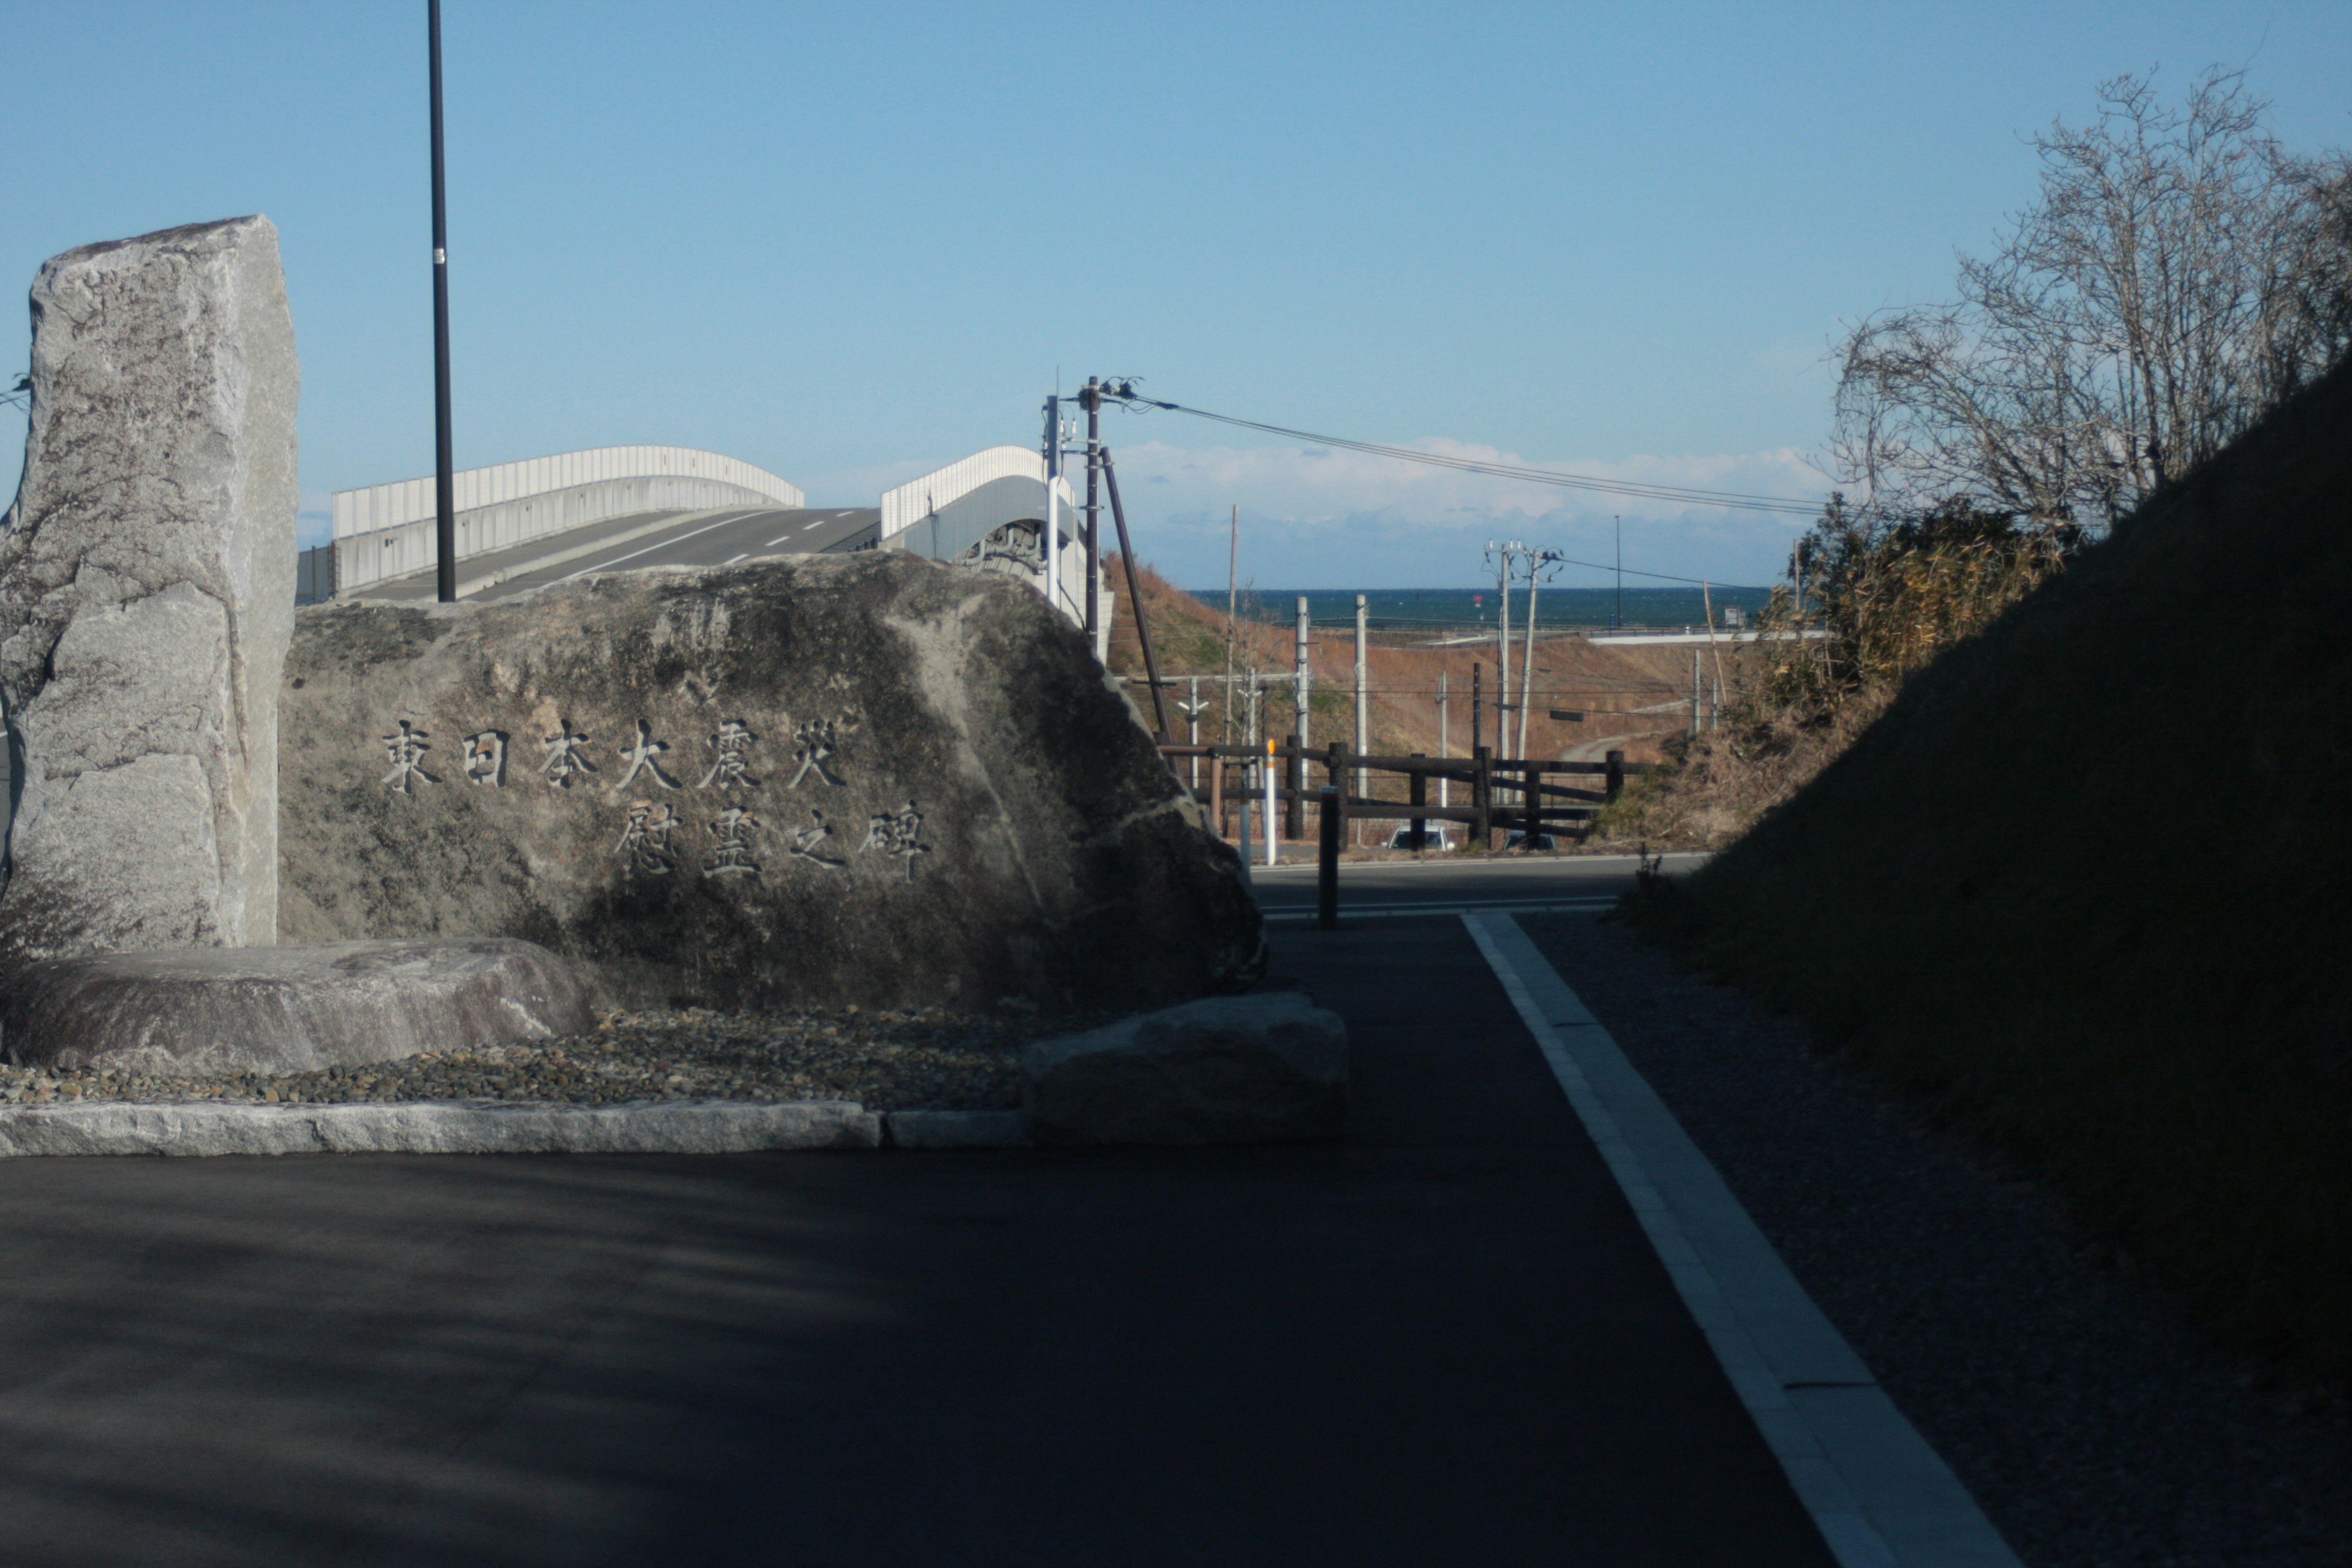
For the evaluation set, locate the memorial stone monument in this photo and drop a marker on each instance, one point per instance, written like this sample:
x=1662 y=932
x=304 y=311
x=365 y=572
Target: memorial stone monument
x=808 y=781
x=864 y=779
x=146 y=597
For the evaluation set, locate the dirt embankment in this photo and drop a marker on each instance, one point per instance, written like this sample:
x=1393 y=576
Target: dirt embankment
x=2086 y=886
x=1631 y=699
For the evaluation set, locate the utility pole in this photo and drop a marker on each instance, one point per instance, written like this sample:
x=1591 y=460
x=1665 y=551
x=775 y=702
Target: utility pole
x=1091 y=401
x=1503 y=644
x=1232 y=572
x=1363 y=714
x=1527 y=660
x=1539 y=562
x=444 y=478
x=1441 y=754
x=1192 y=709
x=1299 y=687
x=1053 y=496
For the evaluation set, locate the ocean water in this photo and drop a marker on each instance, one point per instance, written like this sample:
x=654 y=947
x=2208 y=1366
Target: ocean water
x=1467 y=609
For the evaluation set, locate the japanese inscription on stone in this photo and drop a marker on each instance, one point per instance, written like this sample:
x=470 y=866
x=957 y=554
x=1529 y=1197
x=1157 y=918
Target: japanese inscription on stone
x=732 y=769
x=406 y=748
x=731 y=844
x=897 y=833
x=564 y=758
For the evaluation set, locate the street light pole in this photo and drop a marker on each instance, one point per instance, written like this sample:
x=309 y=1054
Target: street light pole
x=445 y=481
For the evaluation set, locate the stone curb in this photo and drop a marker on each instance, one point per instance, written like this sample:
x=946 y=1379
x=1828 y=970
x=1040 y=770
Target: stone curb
x=437 y=1126
x=957 y=1129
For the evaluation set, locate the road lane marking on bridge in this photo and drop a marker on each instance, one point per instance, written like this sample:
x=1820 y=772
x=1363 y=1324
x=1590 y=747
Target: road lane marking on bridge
x=820 y=523
x=663 y=544
x=1880 y=1495
x=732 y=559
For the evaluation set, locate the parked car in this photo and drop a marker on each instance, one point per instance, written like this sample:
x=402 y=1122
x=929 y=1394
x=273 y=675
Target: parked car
x=1517 y=840
x=1403 y=837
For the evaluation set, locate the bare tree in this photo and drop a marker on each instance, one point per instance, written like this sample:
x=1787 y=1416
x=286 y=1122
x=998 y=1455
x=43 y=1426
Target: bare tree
x=2180 y=272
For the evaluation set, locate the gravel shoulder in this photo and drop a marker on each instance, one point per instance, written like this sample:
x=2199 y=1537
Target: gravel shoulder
x=2091 y=1422
x=886 y=1061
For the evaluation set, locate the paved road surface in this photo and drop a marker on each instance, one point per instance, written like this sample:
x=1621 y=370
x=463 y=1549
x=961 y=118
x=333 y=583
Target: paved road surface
x=1443 y=1339
x=688 y=538
x=1441 y=883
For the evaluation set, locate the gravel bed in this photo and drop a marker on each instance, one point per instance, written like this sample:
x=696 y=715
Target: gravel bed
x=887 y=1061
x=2091 y=1423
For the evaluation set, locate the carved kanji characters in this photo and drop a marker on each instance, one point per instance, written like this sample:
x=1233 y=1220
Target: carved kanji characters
x=897 y=833
x=564 y=758
x=730 y=835
x=733 y=743
x=641 y=759
x=805 y=842
x=644 y=839
x=814 y=741
x=486 y=758
x=406 y=749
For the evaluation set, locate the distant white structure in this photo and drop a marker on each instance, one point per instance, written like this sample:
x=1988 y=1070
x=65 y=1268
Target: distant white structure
x=989 y=511
x=386 y=531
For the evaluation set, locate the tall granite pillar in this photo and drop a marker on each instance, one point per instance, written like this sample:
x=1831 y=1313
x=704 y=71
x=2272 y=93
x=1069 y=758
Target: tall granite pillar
x=147 y=597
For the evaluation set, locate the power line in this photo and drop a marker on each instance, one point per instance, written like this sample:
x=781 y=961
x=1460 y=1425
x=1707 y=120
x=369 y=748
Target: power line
x=1731 y=501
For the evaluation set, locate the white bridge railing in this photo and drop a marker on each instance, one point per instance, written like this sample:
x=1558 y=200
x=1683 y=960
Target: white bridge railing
x=387 y=530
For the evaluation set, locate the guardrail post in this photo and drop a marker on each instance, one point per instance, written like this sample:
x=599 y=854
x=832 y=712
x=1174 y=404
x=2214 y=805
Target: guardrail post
x=1294 y=825
x=1482 y=798
x=1217 y=797
x=1336 y=761
x=1417 y=793
x=1531 y=803
x=1327 y=869
x=1614 y=783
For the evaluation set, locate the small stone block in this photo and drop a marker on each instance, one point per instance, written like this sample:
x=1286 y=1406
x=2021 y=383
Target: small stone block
x=1259 y=1069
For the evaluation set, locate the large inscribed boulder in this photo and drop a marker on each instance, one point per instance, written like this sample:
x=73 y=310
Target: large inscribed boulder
x=146 y=597
x=865 y=779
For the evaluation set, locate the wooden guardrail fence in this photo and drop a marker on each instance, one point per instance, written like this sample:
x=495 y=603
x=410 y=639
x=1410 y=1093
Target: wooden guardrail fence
x=1505 y=793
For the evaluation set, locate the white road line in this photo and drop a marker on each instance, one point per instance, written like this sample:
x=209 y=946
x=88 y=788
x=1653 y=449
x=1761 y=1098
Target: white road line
x=773 y=542
x=1880 y=1495
x=649 y=549
x=820 y=521
x=732 y=559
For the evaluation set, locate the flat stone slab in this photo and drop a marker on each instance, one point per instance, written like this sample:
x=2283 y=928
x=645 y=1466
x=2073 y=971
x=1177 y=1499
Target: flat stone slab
x=431 y=1127
x=200 y=1011
x=1231 y=1069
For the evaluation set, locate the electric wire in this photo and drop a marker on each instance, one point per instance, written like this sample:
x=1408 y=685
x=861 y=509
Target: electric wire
x=1730 y=501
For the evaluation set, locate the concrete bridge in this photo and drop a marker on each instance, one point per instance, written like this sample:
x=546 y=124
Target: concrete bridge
x=523 y=525
x=385 y=533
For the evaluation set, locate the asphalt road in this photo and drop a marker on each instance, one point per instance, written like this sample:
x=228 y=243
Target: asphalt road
x=690 y=539
x=1449 y=884
x=1443 y=1338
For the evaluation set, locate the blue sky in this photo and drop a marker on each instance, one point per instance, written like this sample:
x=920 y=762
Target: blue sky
x=847 y=243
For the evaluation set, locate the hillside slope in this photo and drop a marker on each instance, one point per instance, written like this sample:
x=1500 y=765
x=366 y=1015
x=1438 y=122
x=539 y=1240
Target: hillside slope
x=2088 y=885
x=1631 y=697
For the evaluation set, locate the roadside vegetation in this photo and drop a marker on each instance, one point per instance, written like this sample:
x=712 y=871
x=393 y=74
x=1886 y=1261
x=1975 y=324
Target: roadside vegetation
x=2044 y=822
